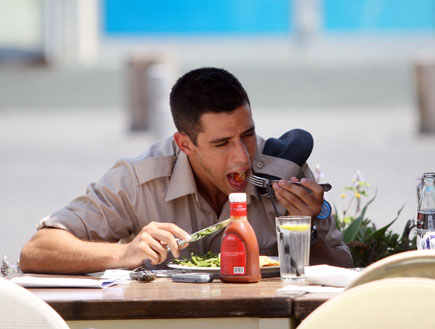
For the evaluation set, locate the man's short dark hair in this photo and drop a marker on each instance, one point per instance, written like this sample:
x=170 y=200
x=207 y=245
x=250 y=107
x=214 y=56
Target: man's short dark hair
x=204 y=90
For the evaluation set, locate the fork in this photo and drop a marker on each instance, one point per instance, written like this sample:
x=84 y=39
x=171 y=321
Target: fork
x=264 y=182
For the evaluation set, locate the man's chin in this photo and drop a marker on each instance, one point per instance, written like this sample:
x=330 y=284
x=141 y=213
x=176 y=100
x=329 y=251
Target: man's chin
x=237 y=188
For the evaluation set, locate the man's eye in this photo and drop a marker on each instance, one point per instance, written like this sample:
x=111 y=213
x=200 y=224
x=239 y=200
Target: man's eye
x=249 y=134
x=221 y=144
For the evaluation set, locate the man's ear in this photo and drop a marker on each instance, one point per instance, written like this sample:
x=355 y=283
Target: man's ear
x=184 y=143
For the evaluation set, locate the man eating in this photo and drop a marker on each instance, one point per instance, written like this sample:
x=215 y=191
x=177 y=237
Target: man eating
x=181 y=185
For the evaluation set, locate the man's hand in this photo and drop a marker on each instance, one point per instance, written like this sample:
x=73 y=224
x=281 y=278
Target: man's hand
x=297 y=199
x=151 y=242
x=58 y=251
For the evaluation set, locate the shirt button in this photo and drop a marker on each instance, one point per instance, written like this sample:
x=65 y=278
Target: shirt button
x=260 y=164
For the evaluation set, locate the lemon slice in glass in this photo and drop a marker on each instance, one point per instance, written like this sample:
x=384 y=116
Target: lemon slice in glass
x=296 y=227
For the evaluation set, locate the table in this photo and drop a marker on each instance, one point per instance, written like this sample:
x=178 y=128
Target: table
x=166 y=304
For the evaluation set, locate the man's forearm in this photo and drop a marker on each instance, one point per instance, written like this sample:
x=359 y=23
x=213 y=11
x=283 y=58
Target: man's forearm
x=58 y=251
x=322 y=253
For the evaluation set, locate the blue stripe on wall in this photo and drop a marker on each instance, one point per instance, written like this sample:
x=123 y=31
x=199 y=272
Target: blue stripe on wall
x=146 y=17
x=379 y=15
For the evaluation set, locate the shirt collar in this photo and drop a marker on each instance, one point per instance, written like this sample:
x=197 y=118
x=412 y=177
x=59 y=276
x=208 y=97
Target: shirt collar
x=182 y=181
x=251 y=191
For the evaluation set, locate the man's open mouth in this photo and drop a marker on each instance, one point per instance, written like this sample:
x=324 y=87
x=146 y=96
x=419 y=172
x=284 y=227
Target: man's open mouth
x=238 y=179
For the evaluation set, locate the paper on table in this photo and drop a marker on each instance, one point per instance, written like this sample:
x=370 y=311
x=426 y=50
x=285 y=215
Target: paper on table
x=330 y=275
x=116 y=275
x=29 y=281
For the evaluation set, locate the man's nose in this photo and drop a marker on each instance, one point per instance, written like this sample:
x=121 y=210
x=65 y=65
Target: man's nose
x=241 y=153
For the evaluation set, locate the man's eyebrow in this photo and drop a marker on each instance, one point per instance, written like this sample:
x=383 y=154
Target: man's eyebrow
x=224 y=139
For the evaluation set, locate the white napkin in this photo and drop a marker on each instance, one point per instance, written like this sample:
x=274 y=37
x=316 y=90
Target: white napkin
x=116 y=275
x=29 y=281
x=330 y=275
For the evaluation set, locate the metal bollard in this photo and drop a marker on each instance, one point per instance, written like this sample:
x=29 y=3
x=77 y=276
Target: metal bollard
x=148 y=93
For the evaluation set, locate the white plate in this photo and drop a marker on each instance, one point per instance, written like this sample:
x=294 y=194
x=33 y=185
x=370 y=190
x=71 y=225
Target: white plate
x=265 y=271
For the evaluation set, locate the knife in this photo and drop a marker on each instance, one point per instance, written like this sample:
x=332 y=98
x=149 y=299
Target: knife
x=203 y=233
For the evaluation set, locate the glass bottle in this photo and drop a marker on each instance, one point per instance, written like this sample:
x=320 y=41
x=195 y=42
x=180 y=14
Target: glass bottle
x=426 y=211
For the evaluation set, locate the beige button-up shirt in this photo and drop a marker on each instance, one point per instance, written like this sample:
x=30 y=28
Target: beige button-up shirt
x=160 y=186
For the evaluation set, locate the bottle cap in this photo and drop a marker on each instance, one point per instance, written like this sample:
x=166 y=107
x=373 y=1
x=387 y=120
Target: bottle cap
x=237 y=197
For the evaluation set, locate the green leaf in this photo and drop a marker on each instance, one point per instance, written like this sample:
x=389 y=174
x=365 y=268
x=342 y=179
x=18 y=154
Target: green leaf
x=377 y=235
x=350 y=233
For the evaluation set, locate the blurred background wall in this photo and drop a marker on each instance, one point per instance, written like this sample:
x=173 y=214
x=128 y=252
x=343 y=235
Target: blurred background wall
x=344 y=70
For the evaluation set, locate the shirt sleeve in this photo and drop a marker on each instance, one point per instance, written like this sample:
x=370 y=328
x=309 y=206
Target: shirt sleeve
x=279 y=167
x=327 y=228
x=106 y=212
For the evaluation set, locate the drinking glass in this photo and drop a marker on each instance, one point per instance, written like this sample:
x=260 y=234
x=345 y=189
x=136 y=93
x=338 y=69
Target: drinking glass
x=293 y=236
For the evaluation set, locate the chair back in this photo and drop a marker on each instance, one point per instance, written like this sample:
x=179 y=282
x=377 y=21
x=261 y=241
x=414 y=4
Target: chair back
x=21 y=309
x=396 y=303
x=414 y=263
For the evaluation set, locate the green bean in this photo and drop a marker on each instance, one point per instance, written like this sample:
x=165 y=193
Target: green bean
x=195 y=261
x=210 y=259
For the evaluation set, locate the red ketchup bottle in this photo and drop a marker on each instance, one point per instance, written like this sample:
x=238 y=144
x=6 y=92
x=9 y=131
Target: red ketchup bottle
x=240 y=261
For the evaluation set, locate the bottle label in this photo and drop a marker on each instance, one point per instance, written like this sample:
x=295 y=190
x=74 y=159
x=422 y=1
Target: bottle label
x=425 y=220
x=233 y=256
x=238 y=209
